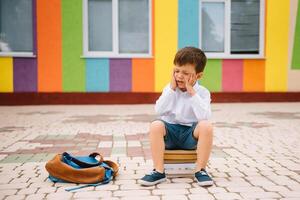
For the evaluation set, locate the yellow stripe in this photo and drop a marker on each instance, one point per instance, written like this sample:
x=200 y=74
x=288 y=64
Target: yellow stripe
x=277 y=32
x=166 y=19
x=6 y=75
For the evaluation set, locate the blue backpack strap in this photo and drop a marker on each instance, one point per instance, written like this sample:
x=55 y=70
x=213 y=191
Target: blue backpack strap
x=89 y=185
x=67 y=158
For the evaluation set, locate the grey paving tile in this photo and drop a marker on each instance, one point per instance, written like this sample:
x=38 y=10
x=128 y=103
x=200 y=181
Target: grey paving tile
x=255 y=153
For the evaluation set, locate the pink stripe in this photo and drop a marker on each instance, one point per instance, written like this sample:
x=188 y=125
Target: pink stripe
x=232 y=75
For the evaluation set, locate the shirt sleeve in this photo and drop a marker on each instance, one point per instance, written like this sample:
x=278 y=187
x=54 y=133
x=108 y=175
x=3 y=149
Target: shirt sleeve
x=201 y=105
x=166 y=101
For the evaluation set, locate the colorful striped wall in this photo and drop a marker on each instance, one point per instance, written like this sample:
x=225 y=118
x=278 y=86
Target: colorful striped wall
x=59 y=65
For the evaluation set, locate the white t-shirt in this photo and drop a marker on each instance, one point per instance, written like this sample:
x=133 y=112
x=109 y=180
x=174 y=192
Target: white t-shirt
x=177 y=107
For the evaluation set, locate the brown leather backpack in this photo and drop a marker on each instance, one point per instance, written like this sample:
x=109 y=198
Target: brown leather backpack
x=92 y=169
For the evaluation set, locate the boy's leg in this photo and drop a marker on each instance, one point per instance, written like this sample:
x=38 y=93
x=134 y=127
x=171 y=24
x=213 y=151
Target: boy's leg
x=157 y=144
x=204 y=133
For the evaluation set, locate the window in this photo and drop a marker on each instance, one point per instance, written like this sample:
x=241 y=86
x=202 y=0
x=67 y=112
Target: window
x=232 y=28
x=16 y=37
x=117 y=28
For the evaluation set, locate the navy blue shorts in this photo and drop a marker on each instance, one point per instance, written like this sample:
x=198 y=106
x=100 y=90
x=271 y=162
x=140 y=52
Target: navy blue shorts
x=179 y=136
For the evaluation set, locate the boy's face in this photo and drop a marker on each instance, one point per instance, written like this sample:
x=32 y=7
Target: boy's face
x=183 y=73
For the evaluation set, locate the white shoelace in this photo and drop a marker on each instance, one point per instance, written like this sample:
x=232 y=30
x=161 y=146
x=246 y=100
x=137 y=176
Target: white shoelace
x=152 y=172
x=203 y=173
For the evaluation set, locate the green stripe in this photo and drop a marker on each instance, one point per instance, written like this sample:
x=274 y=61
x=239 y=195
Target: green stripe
x=296 y=50
x=212 y=77
x=73 y=65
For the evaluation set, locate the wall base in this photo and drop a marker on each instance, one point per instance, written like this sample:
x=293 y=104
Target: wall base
x=135 y=98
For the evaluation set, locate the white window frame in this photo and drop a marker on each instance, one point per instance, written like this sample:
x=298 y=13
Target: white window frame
x=17 y=54
x=115 y=39
x=29 y=54
x=227 y=27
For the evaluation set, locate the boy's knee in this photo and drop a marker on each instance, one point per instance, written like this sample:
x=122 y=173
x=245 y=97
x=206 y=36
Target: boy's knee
x=157 y=124
x=207 y=126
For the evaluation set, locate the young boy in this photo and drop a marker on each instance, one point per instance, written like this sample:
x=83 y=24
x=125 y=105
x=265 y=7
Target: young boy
x=184 y=109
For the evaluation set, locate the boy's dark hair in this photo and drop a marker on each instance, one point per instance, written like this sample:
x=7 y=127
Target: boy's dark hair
x=191 y=55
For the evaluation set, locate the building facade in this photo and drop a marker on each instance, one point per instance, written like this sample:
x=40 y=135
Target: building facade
x=129 y=45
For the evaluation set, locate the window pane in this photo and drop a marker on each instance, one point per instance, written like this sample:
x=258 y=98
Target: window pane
x=133 y=26
x=16 y=26
x=244 y=26
x=100 y=25
x=212 y=38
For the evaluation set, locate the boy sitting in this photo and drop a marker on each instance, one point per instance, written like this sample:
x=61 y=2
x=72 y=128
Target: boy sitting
x=184 y=109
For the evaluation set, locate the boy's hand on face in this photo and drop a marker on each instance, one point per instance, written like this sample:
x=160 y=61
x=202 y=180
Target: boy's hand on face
x=173 y=81
x=189 y=83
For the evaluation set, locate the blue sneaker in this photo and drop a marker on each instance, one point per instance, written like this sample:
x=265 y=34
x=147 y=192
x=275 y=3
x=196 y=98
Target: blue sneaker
x=203 y=178
x=153 y=178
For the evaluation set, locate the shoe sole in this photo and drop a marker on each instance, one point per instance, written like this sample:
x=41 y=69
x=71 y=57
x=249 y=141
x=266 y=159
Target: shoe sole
x=206 y=183
x=146 y=183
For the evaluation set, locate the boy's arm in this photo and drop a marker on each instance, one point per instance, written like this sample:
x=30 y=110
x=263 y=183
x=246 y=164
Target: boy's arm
x=201 y=105
x=165 y=102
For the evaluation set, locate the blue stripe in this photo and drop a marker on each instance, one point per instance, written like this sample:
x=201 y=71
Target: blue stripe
x=188 y=23
x=97 y=75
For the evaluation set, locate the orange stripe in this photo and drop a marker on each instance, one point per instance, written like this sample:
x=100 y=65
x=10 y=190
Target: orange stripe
x=49 y=45
x=143 y=69
x=142 y=75
x=254 y=75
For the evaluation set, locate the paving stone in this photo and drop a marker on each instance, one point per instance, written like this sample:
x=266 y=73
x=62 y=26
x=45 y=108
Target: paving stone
x=228 y=195
x=119 y=151
x=220 y=174
x=35 y=196
x=182 y=180
x=294 y=187
x=109 y=187
x=27 y=191
x=42 y=184
x=139 y=198
x=15 y=197
x=8 y=192
x=124 y=182
x=293 y=194
x=250 y=157
x=119 y=144
x=276 y=188
x=13 y=186
x=174 y=197
x=259 y=195
x=59 y=195
x=130 y=193
x=105 y=144
x=169 y=191
x=134 y=187
x=5 y=179
x=44 y=190
x=244 y=189
x=201 y=196
x=173 y=186
x=198 y=190
x=240 y=183
x=93 y=194
x=216 y=190
x=134 y=143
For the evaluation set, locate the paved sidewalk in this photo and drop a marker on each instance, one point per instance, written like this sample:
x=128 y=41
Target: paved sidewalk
x=256 y=151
